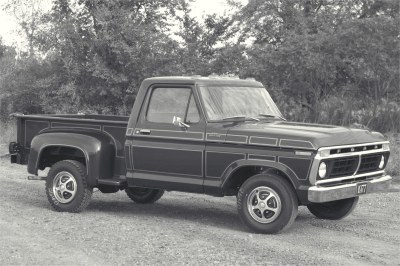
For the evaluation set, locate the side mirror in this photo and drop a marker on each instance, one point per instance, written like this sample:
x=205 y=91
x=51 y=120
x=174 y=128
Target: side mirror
x=177 y=121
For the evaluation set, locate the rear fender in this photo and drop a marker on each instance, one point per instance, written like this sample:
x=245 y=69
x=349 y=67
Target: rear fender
x=97 y=148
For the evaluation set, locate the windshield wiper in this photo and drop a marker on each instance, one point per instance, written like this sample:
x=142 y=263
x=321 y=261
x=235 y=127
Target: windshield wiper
x=244 y=118
x=277 y=116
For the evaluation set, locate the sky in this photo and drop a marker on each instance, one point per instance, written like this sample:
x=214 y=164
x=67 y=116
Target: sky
x=10 y=36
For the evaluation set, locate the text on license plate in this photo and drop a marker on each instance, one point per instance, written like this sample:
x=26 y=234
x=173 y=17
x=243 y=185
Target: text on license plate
x=361 y=189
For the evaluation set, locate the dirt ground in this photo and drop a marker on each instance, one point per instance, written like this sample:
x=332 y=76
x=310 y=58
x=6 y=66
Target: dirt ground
x=183 y=229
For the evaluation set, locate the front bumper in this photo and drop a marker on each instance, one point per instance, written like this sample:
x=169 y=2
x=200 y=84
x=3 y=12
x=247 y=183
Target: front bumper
x=319 y=194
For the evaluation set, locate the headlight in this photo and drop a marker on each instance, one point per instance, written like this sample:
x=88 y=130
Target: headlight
x=382 y=163
x=322 y=170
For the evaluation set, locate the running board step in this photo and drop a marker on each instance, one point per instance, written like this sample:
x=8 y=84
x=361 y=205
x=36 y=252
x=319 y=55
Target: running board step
x=112 y=182
x=35 y=177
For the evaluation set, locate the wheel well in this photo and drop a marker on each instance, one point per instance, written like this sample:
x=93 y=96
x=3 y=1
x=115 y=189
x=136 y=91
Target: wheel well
x=239 y=176
x=53 y=154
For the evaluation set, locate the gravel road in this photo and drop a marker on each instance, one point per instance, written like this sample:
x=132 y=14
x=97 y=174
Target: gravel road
x=184 y=229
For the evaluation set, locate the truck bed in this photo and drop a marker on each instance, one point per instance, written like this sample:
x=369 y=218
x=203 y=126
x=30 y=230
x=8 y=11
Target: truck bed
x=31 y=125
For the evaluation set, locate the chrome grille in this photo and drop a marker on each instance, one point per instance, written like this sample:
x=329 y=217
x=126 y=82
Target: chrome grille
x=343 y=166
x=369 y=163
x=359 y=162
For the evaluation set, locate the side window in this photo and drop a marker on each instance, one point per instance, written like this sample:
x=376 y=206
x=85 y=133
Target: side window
x=165 y=103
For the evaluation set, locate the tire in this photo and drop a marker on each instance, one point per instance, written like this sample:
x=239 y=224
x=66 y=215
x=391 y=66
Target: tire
x=267 y=204
x=66 y=186
x=334 y=210
x=144 y=195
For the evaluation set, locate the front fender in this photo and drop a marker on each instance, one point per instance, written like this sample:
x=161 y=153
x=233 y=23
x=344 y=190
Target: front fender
x=293 y=179
x=97 y=148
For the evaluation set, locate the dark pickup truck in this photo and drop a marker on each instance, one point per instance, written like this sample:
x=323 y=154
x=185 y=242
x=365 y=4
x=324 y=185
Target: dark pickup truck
x=217 y=136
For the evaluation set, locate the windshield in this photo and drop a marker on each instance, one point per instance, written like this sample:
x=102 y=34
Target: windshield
x=229 y=102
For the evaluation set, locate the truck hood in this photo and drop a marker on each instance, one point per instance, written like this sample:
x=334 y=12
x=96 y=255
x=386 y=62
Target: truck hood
x=302 y=135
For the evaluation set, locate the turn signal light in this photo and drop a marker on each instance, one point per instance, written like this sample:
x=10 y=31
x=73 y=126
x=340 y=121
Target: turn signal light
x=382 y=163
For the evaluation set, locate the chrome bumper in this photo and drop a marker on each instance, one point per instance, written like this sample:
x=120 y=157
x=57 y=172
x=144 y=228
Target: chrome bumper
x=325 y=194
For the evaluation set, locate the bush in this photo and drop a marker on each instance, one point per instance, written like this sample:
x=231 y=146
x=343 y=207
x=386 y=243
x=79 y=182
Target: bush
x=393 y=166
x=381 y=116
x=384 y=116
x=8 y=132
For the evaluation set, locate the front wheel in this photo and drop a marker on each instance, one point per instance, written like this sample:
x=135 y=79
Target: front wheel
x=66 y=186
x=144 y=195
x=333 y=210
x=267 y=204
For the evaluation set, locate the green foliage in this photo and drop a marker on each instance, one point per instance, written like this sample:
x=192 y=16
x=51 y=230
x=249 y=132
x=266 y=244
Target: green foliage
x=328 y=61
x=19 y=84
x=8 y=132
x=105 y=49
x=319 y=52
x=204 y=50
x=393 y=165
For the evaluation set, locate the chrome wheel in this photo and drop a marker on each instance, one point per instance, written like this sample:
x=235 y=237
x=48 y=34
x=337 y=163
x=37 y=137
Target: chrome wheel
x=64 y=187
x=264 y=204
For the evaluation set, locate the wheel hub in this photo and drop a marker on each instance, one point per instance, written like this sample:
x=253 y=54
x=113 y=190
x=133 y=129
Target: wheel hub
x=264 y=204
x=64 y=187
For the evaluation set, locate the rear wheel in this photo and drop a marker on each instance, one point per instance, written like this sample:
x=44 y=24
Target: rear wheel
x=66 y=186
x=267 y=204
x=144 y=195
x=333 y=210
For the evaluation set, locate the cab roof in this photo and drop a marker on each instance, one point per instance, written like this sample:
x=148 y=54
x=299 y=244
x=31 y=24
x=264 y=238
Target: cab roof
x=203 y=81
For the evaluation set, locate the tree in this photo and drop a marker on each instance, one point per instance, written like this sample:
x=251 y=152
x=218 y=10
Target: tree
x=314 y=51
x=205 y=46
x=108 y=47
x=27 y=13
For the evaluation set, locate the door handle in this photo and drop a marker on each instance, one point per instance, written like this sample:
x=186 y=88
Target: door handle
x=145 y=131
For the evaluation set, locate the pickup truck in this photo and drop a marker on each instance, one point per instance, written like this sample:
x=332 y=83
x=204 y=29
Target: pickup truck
x=216 y=136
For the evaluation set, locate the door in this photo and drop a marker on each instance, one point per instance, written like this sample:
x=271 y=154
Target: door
x=165 y=154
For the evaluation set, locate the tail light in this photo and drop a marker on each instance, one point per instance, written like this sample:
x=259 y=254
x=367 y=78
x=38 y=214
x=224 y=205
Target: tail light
x=14 y=147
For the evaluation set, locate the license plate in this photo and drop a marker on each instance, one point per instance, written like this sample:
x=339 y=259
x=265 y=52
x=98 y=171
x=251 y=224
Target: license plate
x=361 y=189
